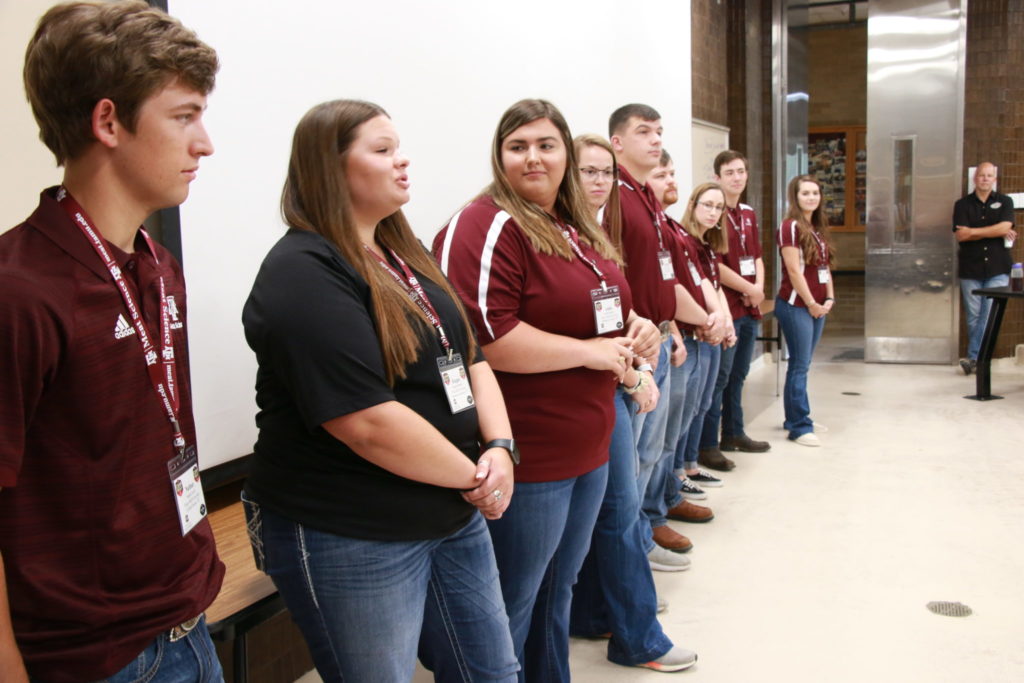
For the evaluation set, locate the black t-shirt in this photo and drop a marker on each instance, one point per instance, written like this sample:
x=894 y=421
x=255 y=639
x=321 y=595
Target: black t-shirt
x=309 y=318
x=985 y=258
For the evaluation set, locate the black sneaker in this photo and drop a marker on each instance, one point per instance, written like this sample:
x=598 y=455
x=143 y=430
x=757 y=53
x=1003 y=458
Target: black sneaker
x=689 y=490
x=705 y=478
x=967 y=365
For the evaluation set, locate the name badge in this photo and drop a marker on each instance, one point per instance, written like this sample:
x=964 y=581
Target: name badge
x=747 y=266
x=187 y=489
x=665 y=261
x=607 y=309
x=456 y=383
x=823 y=275
x=694 y=274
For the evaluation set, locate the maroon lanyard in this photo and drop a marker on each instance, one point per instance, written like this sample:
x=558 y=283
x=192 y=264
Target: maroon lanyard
x=415 y=291
x=162 y=375
x=822 y=248
x=572 y=237
x=738 y=228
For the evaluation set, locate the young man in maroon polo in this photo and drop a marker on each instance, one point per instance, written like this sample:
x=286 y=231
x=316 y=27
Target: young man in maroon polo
x=742 y=272
x=635 y=133
x=108 y=557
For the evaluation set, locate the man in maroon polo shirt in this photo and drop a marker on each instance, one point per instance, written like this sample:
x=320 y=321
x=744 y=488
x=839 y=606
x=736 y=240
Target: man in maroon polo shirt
x=742 y=272
x=107 y=559
x=635 y=133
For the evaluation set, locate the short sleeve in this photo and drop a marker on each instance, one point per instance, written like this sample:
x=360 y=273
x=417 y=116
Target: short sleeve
x=30 y=346
x=756 y=233
x=960 y=216
x=486 y=259
x=1006 y=210
x=788 y=235
x=308 y=320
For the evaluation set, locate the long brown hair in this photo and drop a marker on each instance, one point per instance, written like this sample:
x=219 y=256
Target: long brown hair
x=612 y=208
x=805 y=229
x=715 y=237
x=316 y=198
x=570 y=204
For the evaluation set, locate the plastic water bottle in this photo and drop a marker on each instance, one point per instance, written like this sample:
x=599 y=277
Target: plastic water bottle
x=1017 y=278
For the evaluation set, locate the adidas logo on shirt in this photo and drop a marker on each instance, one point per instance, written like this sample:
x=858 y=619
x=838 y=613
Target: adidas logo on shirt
x=123 y=328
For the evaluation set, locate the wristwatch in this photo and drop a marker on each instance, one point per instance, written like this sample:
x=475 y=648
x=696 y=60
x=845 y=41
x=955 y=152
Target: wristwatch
x=508 y=444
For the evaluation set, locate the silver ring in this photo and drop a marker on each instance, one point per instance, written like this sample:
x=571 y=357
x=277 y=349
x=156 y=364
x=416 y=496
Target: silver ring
x=497 y=494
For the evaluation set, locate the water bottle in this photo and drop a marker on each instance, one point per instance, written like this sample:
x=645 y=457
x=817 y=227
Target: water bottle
x=1017 y=278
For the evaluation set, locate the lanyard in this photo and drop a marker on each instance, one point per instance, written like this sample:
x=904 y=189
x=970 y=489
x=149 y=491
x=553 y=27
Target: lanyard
x=415 y=291
x=569 y=233
x=738 y=228
x=163 y=376
x=655 y=213
x=822 y=249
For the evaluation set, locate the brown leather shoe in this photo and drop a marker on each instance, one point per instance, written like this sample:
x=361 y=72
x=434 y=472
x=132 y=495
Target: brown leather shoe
x=743 y=443
x=713 y=459
x=688 y=512
x=669 y=539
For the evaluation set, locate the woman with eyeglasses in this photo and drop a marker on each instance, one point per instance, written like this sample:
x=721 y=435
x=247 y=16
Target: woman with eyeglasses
x=553 y=312
x=615 y=591
x=805 y=298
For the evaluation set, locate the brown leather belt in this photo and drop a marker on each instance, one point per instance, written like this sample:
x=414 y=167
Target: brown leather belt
x=183 y=629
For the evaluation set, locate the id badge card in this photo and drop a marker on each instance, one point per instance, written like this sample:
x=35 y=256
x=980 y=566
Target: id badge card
x=747 y=266
x=694 y=274
x=187 y=489
x=665 y=261
x=607 y=309
x=456 y=383
x=823 y=274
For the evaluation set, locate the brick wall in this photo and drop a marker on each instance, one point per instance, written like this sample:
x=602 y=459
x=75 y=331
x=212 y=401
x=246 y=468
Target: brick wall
x=837 y=75
x=708 y=60
x=994 y=118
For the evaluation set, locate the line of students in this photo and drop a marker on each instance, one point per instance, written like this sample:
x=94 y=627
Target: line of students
x=446 y=445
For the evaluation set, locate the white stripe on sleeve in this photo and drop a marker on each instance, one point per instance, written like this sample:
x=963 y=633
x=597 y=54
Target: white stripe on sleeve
x=447 y=246
x=486 y=256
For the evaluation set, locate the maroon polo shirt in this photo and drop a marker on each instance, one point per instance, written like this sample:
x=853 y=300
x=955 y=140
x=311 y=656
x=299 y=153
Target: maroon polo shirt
x=562 y=420
x=744 y=242
x=96 y=564
x=642 y=224
x=685 y=252
x=789 y=236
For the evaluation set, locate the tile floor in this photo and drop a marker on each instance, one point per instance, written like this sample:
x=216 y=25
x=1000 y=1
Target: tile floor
x=820 y=561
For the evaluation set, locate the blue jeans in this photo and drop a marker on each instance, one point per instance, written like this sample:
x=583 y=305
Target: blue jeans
x=689 y=444
x=615 y=591
x=540 y=543
x=361 y=604
x=189 y=660
x=977 y=308
x=727 y=399
x=650 y=427
x=802 y=333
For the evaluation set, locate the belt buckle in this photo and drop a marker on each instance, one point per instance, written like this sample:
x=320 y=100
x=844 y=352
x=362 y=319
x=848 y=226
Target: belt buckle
x=183 y=629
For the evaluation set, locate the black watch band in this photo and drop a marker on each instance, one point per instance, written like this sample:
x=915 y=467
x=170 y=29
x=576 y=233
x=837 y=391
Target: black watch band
x=508 y=444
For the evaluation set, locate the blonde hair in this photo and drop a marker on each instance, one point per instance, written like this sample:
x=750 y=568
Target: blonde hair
x=612 y=208
x=316 y=198
x=717 y=238
x=570 y=203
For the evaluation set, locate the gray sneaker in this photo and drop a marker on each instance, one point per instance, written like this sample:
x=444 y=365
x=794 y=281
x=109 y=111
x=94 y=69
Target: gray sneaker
x=676 y=659
x=667 y=561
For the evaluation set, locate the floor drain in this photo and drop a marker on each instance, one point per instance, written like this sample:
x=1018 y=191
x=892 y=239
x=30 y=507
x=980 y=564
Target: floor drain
x=950 y=609
x=851 y=393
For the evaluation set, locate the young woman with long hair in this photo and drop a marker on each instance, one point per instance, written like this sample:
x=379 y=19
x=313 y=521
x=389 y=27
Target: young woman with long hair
x=369 y=478
x=542 y=285
x=805 y=298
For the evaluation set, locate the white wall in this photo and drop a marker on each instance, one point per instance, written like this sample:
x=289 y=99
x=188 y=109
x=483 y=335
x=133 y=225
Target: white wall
x=444 y=71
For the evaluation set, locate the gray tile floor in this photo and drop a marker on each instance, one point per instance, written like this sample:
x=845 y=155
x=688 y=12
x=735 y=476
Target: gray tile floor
x=820 y=561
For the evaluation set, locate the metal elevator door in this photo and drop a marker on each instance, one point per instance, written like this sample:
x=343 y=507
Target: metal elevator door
x=916 y=52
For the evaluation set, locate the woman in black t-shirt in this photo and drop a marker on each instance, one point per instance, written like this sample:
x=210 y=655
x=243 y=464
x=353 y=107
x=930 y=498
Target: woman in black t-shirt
x=364 y=500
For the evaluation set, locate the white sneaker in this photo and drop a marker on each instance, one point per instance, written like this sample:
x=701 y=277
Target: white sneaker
x=662 y=604
x=676 y=659
x=667 y=561
x=820 y=428
x=808 y=439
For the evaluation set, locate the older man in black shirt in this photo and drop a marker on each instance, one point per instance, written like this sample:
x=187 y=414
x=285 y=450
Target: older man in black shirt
x=982 y=223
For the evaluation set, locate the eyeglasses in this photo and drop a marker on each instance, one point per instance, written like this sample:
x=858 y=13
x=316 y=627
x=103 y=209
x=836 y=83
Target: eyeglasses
x=710 y=206
x=593 y=173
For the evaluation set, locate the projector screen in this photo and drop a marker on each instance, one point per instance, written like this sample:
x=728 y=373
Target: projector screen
x=445 y=71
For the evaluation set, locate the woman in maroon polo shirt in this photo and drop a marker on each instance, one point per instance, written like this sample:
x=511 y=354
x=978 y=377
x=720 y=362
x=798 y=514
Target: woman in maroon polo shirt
x=542 y=285
x=805 y=297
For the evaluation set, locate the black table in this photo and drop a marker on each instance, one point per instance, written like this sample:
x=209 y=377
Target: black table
x=999 y=296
